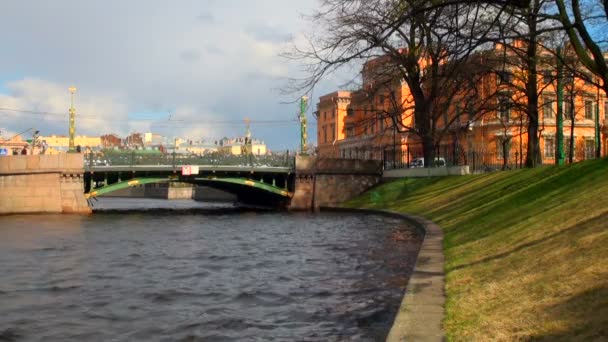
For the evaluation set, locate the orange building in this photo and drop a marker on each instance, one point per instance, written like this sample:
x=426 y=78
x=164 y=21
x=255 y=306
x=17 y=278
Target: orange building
x=359 y=124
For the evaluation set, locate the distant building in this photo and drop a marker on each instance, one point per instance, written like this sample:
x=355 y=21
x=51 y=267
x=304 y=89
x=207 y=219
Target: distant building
x=60 y=144
x=110 y=140
x=13 y=145
x=236 y=146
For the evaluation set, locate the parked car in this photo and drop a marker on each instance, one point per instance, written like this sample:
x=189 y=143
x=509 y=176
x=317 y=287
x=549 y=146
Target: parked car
x=419 y=162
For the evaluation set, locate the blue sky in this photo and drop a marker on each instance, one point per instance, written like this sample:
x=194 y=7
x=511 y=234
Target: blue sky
x=133 y=62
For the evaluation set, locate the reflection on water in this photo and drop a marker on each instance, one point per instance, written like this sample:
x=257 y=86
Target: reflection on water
x=124 y=204
x=224 y=277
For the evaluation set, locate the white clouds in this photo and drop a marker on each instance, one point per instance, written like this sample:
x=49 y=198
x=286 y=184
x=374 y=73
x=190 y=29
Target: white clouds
x=216 y=59
x=94 y=112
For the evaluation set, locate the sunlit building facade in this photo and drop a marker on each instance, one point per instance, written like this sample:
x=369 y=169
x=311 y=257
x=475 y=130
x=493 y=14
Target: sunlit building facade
x=359 y=124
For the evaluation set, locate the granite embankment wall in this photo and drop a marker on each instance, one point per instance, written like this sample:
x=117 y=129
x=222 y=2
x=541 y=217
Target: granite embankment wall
x=42 y=184
x=328 y=182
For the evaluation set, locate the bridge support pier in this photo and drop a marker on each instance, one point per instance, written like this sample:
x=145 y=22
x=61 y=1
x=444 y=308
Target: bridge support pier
x=323 y=182
x=42 y=184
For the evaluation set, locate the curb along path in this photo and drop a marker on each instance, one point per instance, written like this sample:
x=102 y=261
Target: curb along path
x=422 y=309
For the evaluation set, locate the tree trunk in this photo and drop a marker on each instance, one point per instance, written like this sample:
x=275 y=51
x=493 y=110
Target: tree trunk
x=428 y=150
x=572 y=118
x=533 y=152
x=506 y=151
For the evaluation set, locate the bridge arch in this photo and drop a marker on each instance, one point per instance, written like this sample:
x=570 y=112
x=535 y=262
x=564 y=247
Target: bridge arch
x=247 y=190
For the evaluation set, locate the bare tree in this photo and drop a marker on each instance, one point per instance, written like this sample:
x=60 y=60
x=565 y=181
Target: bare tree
x=521 y=32
x=426 y=48
x=579 y=19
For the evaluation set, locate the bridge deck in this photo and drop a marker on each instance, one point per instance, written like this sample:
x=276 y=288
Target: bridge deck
x=177 y=168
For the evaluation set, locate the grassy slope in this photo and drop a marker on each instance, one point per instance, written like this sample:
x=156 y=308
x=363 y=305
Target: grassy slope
x=526 y=251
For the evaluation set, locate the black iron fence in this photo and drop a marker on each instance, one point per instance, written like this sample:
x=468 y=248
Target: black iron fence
x=478 y=160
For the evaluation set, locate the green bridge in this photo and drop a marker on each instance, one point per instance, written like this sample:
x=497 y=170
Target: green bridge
x=252 y=178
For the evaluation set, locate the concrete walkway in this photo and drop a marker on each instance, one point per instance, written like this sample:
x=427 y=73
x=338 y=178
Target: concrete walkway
x=422 y=309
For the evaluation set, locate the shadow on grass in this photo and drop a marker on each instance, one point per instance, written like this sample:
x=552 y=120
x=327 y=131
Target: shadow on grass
x=586 y=315
x=543 y=192
x=579 y=227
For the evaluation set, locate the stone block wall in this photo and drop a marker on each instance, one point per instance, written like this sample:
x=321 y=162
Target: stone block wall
x=302 y=196
x=334 y=189
x=427 y=172
x=42 y=184
x=324 y=182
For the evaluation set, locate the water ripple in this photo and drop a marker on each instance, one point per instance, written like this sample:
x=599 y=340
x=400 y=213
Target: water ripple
x=187 y=277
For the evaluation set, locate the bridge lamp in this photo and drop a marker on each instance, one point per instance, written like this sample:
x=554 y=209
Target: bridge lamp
x=72 y=127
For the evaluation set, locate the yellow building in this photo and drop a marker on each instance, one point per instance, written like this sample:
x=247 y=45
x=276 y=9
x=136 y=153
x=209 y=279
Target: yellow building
x=61 y=143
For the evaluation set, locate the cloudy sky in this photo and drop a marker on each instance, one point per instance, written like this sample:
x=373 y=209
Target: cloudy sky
x=191 y=68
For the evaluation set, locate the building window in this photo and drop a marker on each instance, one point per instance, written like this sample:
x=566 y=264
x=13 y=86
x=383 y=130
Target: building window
x=470 y=112
x=589 y=149
x=325 y=134
x=333 y=132
x=503 y=109
x=569 y=78
x=373 y=126
x=589 y=109
x=350 y=131
x=548 y=107
x=567 y=148
x=350 y=112
x=503 y=77
x=606 y=110
x=550 y=148
x=547 y=77
x=499 y=147
x=381 y=120
x=333 y=114
x=567 y=107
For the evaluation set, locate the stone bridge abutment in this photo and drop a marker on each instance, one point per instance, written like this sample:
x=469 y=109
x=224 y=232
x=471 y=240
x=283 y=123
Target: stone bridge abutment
x=42 y=184
x=326 y=182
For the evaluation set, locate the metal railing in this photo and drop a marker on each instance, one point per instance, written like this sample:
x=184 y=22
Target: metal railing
x=175 y=159
x=478 y=160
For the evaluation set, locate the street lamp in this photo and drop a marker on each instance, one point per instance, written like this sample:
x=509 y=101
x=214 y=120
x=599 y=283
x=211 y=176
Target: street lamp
x=72 y=128
x=302 y=117
x=34 y=138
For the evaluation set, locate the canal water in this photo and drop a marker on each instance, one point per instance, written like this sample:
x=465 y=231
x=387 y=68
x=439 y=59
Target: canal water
x=225 y=275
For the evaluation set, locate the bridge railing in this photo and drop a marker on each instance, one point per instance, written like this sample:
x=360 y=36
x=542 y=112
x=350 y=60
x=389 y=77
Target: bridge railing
x=176 y=160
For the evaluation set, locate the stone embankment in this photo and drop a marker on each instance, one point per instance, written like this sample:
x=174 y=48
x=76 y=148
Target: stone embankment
x=42 y=184
x=422 y=309
x=328 y=182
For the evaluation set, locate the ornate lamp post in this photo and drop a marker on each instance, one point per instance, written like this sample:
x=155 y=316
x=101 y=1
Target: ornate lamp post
x=302 y=117
x=72 y=119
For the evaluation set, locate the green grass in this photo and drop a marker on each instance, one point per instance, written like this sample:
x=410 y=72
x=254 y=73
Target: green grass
x=526 y=251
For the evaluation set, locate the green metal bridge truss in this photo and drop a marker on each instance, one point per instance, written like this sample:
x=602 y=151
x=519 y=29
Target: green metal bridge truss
x=151 y=180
